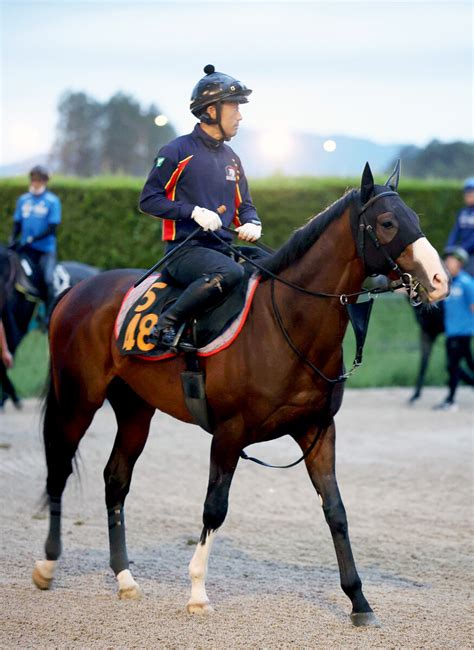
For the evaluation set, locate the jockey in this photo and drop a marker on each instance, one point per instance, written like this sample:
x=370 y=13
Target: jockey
x=197 y=179
x=37 y=215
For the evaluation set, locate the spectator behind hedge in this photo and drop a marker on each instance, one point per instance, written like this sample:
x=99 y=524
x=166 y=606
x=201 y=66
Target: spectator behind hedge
x=462 y=233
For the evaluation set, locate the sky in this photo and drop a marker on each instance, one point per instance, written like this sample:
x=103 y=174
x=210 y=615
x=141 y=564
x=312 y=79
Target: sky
x=389 y=71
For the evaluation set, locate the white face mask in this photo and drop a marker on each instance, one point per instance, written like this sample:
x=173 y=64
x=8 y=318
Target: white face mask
x=37 y=190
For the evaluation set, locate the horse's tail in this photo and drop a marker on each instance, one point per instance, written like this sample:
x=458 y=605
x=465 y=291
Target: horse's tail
x=55 y=445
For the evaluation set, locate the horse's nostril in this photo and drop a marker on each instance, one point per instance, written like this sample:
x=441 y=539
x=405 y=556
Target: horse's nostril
x=438 y=280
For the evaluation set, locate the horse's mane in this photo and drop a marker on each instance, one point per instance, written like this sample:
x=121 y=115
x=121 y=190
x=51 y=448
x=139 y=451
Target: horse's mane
x=303 y=238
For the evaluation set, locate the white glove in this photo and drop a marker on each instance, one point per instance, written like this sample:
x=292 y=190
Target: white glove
x=249 y=231
x=207 y=219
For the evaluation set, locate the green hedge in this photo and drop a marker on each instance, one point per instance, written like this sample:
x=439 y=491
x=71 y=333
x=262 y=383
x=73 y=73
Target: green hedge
x=103 y=227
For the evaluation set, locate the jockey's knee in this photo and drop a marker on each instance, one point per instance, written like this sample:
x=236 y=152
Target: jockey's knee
x=228 y=279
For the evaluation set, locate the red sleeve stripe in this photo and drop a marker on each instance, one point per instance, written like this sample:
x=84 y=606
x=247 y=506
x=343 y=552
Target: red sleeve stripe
x=237 y=201
x=169 y=230
x=169 y=225
x=170 y=186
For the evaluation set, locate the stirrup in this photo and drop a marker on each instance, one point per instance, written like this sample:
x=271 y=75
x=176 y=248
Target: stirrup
x=159 y=338
x=175 y=346
x=183 y=346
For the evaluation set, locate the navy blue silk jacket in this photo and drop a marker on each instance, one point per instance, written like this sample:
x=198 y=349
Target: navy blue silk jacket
x=197 y=170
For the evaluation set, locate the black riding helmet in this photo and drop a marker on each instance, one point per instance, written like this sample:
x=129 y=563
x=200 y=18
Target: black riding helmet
x=39 y=172
x=214 y=88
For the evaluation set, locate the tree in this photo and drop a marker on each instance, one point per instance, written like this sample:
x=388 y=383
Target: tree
x=77 y=147
x=117 y=136
x=438 y=160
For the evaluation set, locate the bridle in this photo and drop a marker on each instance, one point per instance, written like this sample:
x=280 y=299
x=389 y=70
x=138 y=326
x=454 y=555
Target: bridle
x=365 y=229
x=404 y=281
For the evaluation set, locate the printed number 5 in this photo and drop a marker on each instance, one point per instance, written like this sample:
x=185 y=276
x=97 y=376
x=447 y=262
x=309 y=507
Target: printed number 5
x=150 y=296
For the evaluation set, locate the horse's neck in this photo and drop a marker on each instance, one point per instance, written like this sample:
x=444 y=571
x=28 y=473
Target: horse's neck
x=331 y=265
x=317 y=325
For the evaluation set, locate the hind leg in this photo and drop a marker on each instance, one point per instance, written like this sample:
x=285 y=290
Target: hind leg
x=63 y=429
x=133 y=421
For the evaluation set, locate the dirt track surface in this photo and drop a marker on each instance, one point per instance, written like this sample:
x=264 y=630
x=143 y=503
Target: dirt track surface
x=406 y=478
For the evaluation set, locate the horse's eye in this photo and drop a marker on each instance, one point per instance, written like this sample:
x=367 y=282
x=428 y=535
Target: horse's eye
x=387 y=225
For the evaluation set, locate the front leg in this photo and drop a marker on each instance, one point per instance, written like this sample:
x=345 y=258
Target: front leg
x=224 y=459
x=321 y=468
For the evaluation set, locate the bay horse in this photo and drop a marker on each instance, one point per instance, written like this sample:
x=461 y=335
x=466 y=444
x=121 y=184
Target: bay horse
x=20 y=297
x=258 y=388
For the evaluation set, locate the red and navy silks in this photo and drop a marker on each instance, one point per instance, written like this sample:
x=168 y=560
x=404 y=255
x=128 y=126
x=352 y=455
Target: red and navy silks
x=197 y=170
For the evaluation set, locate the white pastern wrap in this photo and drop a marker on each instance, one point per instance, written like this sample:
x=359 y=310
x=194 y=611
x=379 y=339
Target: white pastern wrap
x=46 y=568
x=125 y=580
x=198 y=571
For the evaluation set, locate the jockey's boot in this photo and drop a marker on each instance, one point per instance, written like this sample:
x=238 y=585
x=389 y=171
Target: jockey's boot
x=199 y=296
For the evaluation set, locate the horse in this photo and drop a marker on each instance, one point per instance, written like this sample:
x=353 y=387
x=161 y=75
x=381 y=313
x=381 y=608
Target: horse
x=19 y=299
x=282 y=375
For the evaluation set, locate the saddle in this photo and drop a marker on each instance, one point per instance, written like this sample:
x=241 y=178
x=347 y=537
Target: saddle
x=215 y=329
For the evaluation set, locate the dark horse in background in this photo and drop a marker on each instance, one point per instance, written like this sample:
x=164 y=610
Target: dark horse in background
x=258 y=389
x=431 y=324
x=20 y=296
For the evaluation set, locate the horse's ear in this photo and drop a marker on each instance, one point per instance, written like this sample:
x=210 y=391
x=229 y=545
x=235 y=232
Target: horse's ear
x=366 y=184
x=394 y=177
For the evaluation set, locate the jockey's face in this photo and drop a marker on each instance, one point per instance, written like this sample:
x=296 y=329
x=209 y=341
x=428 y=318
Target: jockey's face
x=230 y=118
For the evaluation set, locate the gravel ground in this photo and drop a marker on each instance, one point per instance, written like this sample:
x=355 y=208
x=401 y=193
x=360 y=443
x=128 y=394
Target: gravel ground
x=406 y=476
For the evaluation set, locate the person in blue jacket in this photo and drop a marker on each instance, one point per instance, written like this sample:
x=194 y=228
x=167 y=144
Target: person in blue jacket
x=462 y=233
x=36 y=218
x=198 y=180
x=458 y=324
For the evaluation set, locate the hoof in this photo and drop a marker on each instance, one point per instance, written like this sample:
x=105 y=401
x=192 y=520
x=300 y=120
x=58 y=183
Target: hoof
x=40 y=581
x=199 y=608
x=130 y=593
x=364 y=619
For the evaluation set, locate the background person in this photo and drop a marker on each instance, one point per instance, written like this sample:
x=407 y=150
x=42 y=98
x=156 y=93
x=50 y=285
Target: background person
x=37 y=215
x=458 y=324
x=197 y=179
x=462 y=233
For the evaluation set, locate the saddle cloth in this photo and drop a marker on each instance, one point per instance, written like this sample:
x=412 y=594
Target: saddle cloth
x=215 y=330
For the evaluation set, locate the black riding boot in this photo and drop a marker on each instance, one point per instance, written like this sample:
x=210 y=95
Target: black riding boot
x=199 y=296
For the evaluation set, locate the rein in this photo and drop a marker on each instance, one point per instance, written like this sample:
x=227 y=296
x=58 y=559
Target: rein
x=313 y=444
